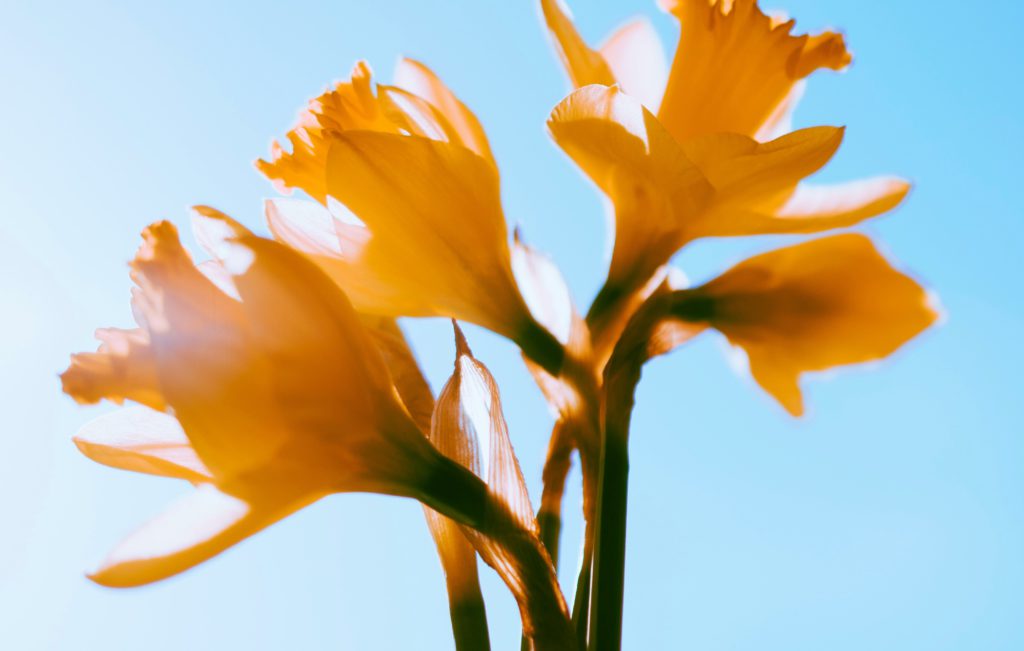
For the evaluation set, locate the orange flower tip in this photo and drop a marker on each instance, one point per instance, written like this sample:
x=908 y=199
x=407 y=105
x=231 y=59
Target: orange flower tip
x=795 y=409
x=832 y=136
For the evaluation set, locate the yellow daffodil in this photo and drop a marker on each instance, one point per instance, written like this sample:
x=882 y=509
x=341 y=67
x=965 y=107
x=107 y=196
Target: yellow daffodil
x=699 y=166
x=409 y=220
x=267 y=396
x=813 y=306
x=735 y=69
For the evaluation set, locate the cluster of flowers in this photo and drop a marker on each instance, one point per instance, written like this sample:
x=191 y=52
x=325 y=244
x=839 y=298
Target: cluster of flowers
x=274 y=373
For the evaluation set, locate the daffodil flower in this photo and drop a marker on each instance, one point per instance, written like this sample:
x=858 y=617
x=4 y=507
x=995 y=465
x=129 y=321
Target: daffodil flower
x=735 y=69
x=267 y=397
x=408 y=220
x=711 y=156
x=810 y=307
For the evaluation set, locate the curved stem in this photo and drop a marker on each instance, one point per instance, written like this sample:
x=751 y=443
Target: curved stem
x=556 y=471
x=503 y=543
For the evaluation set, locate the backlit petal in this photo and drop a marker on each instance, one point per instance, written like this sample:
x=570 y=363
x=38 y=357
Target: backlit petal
x=123 y=368
x=405 y=371
x=421 y=80
x=544 y=290
x=348 y=105
x=744 y=171
x=198 y=527
x=439 y=239
x=415 y=116
x=655 y=189
x=584 y=65
x=810 y=307
x=209 y=372
x=141 y=440
x=813 y=208
x=637 y=59
x=780 y=122
x=734 y=66
x=343 y=251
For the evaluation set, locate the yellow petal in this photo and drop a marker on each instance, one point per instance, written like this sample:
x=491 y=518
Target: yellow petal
x=216 y=273
x=342 y=250
x=417 y=78
x=780 y=122
x=814 y=208
x=210 y=373
x=439 y=245
x=637 y=60
x=214 y=231
x=746 y=172
x=416 y=116
x=405 y=371
x=124 y=368
x=759 y=189
x=141 y=440
x=584 y=65
x=336 y=397
x=656 y=190
x=349 y=105
x=810 y=307
x=734 y=66
x=853 y=200
x=284 y=381
x=544 y=290
x=198 y=527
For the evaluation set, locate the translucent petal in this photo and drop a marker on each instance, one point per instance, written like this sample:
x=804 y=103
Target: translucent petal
x=655 y=188
x=123 y=368
x=141 y=440
x=421 y=80
x=584 y=65
x=439 y=243
x=637 y=59
x=198 y=527
x=734 y=66
x=811 y=307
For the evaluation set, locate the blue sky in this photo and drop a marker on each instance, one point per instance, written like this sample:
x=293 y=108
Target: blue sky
x=889 y=518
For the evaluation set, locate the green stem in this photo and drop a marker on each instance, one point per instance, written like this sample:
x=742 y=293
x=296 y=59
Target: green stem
x=610 y=545
x=556 y=471
x=469 y=620
x=550 y=524
x=454 y=491
x=541 y=347
x=581 y=603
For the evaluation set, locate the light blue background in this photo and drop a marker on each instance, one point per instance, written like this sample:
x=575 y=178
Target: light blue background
x=890 y=518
